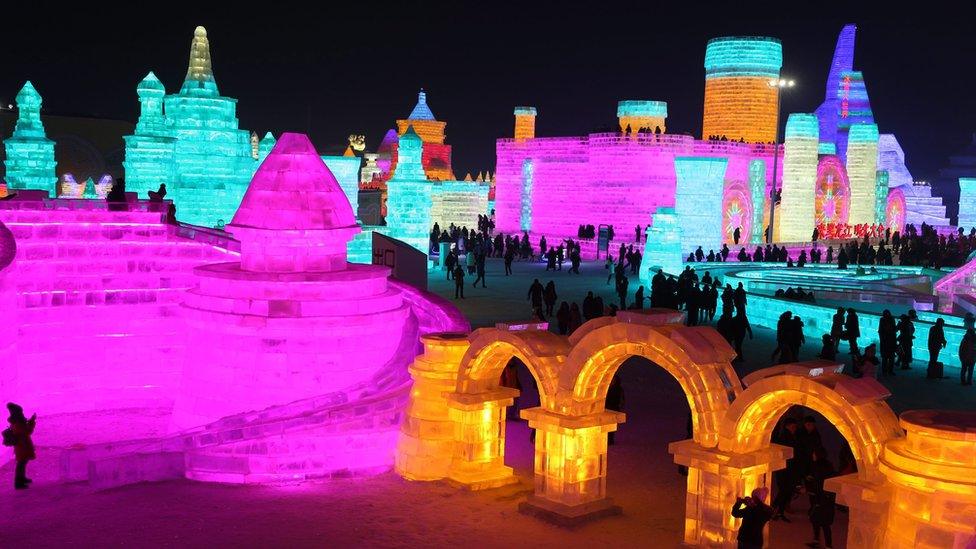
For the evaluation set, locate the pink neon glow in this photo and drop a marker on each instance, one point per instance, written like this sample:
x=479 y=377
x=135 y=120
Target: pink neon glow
x=272 y=367
x=605 y=179
x=833 y=192
x=736 y=211
x=896 y=211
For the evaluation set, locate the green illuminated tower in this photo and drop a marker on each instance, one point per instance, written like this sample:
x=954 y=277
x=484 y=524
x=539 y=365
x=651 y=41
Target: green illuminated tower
x=30 y=154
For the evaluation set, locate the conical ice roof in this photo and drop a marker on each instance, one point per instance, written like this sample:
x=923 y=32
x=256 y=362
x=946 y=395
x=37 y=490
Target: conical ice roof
x=421 y=111
x=294 y=190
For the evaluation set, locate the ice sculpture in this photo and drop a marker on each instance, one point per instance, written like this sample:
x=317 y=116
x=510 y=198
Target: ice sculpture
x=642 y=115
x=292 y=311
x=881 y=189
x=524 y=123
x=436 y=157
x=346 y=171
x=265 y=145
x=698 y=201
x=757 y=187
x=409 y=195
x=737 y=211
x=739 y=102
x=193 y=144
x=967 y=202
x=30 y=154
x=662 y=247
x=797 y=207
x=862 y=166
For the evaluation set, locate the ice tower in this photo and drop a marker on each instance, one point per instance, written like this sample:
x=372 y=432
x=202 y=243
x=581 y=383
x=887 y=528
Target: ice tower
x=797 y=209
x=698 y=201
x=739 y=102
x=30 y=154
x=862 y=166
x=409 y=195
x=211 y=159
x=436 y=159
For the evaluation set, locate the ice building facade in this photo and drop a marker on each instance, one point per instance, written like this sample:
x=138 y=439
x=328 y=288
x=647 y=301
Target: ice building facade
x=829 y=166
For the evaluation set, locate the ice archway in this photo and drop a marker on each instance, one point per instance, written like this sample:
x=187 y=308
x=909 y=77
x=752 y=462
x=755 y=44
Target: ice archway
x=455 y=424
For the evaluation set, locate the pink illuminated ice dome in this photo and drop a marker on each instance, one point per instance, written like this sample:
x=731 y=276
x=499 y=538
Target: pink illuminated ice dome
x=294 y=216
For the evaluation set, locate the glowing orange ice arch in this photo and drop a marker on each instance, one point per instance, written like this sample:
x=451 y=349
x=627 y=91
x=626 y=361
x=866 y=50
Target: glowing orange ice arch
x=730 y=453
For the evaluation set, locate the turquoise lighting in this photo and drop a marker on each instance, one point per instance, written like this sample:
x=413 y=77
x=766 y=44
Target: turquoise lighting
x=525 y=219
x=743 y=56
x=863 y=133
x=346 y=171
x=662 y=246
x=656 y=109
x=265 y=145
x=881 y=197
x=757 y=188
x=525 y=111
x=191 y=142
x=826 y=148
x=802 y=125
x=409 y=195
x=698 y=201
x=30 y=154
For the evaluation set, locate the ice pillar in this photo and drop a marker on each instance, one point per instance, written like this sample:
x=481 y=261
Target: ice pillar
x=408 y=201
x=698 y=201
x=797 y=206
x=862 y=167
x=662 y=246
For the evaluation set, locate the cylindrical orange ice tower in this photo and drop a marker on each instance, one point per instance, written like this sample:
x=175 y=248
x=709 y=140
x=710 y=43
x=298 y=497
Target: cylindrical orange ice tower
x=739 y=101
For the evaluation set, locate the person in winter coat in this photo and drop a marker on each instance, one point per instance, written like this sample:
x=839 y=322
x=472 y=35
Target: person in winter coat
x=967 y=356
x=21 y=430
x=754 y=514
x=822 y=503
x=937 y=342
x=740 y=327
x=549 y=297
x=906 y=333
x=888 y=337
x=837 y=327
x=562 y=318
x=852 y=327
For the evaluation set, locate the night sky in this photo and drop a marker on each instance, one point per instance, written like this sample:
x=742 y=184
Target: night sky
x=355 y=67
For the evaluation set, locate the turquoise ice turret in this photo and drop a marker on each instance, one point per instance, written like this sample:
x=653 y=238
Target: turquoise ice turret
x=409 y=192
x=662 y=246
x=149 y=152
x=264 y=147
x=30 y=154
x=191 y=142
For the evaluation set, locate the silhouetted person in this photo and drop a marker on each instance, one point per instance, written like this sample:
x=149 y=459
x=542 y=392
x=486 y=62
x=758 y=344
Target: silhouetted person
x=458 y=281
x=549 y=296
x=575 y=319
x=785 y=479
x=937 y=342
x=535 y=294
x=736 y=234
x=479 y=265
x=158 y=196
x=829 y=349
x=808 y=440
x=18 y=435
x=906 y=334
x=622 y=284
x=562 y=318
x=740 y=327
x=639 y=298
x=754 y=514
x=852 y=329
x=822 y=503
x=888 y=337
x=967 y=356
x=615 y=399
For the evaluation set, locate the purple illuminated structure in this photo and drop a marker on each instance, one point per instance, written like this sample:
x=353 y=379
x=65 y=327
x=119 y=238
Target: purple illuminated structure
x=270 y=357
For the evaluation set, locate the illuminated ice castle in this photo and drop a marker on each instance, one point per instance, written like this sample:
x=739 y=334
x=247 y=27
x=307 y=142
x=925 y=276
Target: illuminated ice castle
x=30 y=154
x=835 y=167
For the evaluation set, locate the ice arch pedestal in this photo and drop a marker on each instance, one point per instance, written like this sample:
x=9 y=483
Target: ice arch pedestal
x=292 y=319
